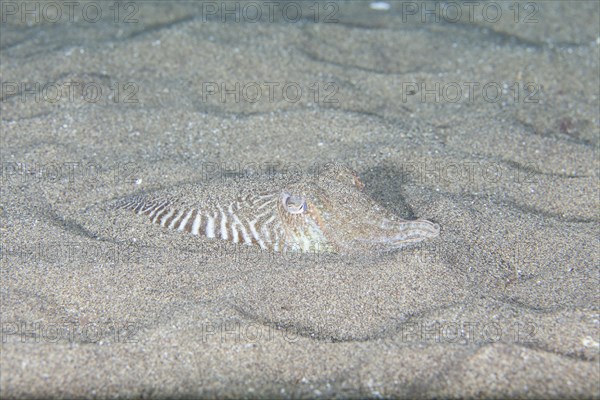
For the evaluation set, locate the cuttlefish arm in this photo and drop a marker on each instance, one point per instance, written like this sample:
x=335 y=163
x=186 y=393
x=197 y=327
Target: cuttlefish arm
x=328 y=213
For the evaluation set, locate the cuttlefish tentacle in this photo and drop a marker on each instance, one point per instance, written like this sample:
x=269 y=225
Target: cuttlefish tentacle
x=328 y=213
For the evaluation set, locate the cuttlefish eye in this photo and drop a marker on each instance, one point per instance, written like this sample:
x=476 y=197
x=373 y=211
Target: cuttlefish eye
x=293 y=204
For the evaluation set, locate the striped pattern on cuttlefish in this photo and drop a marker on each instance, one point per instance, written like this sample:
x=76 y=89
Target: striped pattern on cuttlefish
x=327 y=213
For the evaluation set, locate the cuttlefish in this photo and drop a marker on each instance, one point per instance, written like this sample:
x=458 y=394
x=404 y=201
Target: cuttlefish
x=328 y=212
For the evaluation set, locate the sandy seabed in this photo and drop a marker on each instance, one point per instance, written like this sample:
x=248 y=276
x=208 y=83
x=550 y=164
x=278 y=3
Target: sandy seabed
x=488 y=126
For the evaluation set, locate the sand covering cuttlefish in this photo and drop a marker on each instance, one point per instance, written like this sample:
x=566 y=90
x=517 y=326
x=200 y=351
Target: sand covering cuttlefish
x=328 y=212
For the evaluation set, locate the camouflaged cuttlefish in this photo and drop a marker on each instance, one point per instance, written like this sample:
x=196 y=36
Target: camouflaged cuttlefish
x=328 y=212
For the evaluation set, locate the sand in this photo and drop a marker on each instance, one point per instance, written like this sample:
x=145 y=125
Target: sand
x=487 y=126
